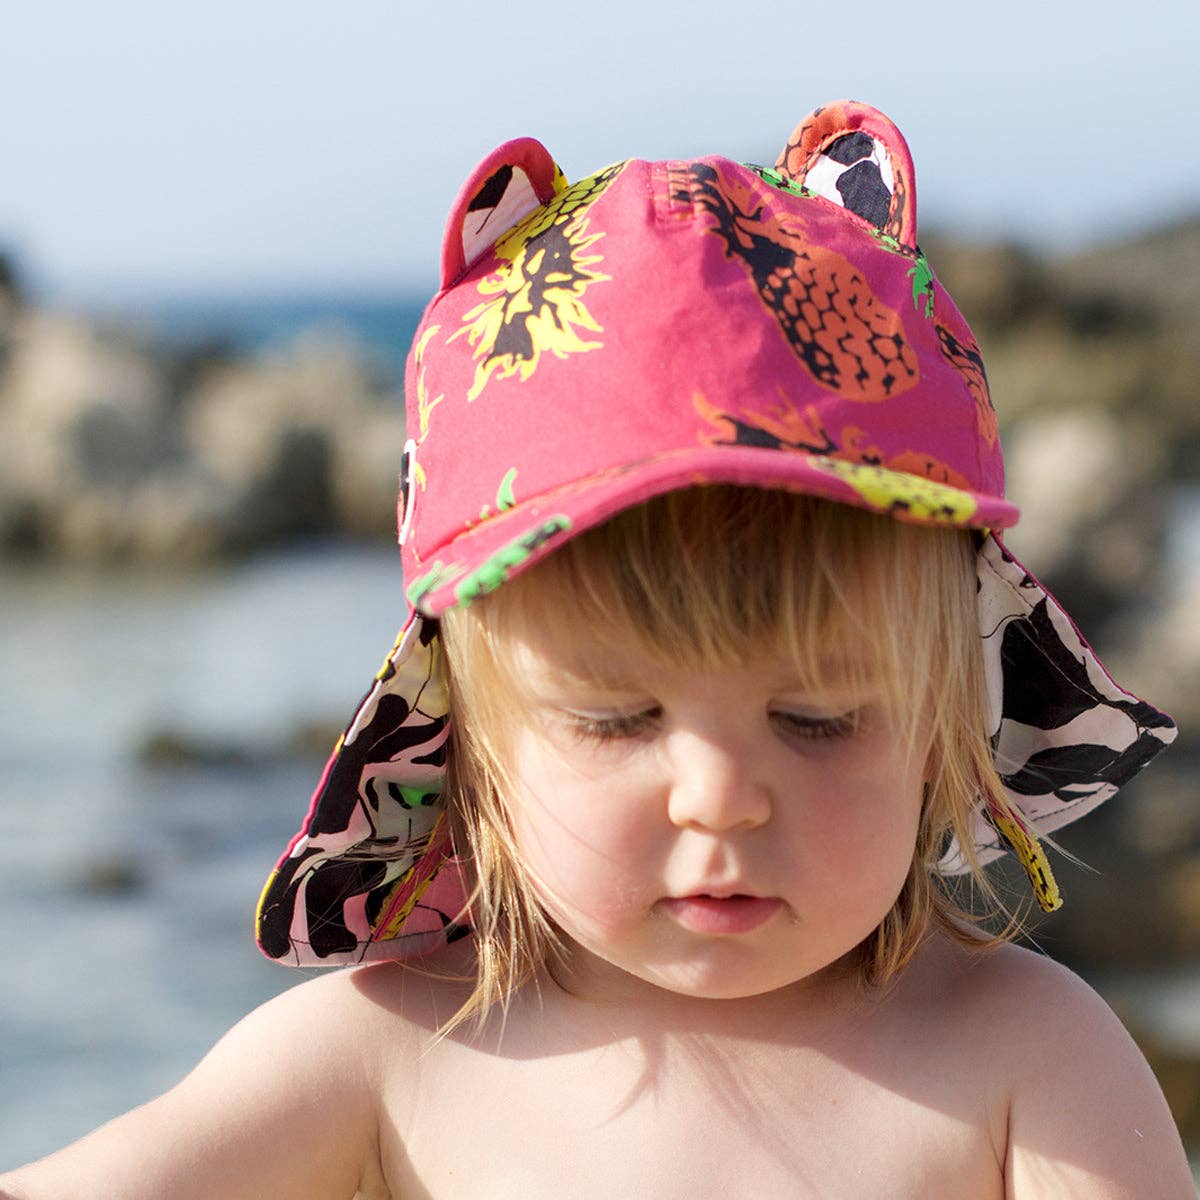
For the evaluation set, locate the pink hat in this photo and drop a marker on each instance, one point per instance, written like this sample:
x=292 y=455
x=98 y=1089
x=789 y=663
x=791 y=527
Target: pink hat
x=655 y=326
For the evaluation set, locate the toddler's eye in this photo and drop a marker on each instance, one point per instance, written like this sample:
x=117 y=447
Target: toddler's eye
x=802 y=725
x=588 y=727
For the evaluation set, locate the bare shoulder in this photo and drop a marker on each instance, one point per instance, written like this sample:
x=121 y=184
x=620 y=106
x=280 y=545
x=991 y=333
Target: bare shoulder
x=1085 y=1115
x=286 y=1104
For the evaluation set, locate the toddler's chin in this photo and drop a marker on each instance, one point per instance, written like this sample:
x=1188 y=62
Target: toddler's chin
x=595 y=971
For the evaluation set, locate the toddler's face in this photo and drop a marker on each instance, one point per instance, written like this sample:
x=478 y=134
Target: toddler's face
x=718 y=833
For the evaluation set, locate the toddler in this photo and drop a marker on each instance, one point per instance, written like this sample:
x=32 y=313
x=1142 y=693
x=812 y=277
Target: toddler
x=658 y=843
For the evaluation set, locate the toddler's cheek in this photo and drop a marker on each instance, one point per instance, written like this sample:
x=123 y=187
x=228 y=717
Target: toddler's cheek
x=593 y=897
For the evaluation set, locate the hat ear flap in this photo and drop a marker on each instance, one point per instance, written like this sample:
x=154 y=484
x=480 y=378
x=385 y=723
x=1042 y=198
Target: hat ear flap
x=371 y=874
x=509 y=184
x=852 y=154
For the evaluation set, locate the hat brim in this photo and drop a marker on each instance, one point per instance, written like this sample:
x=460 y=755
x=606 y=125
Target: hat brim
x=479 y=559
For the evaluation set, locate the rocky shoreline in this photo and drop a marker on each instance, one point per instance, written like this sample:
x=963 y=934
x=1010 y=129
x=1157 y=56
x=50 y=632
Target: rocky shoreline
x=114 y=449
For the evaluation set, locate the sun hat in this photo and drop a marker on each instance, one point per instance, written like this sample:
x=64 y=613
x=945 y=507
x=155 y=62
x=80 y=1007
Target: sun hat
x=659 y=325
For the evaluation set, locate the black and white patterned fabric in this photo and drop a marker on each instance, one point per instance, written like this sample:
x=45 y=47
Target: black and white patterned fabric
x=1066 y=737
x=855 y=171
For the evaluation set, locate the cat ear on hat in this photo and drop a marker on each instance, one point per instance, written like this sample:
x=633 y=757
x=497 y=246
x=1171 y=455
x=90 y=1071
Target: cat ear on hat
x=851 y=154
x=509 y=184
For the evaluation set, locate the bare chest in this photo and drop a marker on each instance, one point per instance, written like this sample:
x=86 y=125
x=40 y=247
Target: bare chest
x=686 y=1119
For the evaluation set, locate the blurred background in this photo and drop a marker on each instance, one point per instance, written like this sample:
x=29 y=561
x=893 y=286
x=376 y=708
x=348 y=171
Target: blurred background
x=218 y=225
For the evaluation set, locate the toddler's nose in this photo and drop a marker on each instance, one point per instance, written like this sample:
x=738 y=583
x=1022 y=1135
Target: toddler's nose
x=713 y=787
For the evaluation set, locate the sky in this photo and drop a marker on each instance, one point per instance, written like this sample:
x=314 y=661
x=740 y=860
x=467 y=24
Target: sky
x=313 y=146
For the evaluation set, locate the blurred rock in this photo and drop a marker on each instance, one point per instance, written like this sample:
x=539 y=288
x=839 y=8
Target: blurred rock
x=296 y=444
x=112 y=449
x=313 y=739
x=110 y=876
x=1158 y=272
x=1111 y=329
x=1132 y=898
x=1163 y=645
x=1093 y=511
x=996 y=287
x=1045 y=368
x=1164 y=824
x=176 y=749
x=1067 y=470
x=365 y=471
x=82 y=420
x=11 y=303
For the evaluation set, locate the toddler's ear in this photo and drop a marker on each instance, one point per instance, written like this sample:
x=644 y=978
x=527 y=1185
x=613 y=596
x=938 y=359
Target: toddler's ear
x=852 y=154
x=509 y=184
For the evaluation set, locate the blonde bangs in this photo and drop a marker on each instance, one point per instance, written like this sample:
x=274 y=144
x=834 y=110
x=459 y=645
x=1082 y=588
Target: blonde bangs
x=714 y=576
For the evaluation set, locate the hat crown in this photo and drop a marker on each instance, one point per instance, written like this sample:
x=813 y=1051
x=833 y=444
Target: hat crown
x=726 y=318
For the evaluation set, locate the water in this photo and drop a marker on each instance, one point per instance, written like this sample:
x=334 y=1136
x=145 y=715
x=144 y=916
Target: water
x=107 y=998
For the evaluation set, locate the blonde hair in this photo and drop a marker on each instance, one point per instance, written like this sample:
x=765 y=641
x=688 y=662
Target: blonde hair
x=709 y=576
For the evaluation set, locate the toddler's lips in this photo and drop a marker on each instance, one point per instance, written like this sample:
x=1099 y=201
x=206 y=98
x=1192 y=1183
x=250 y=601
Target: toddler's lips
x=722 y=914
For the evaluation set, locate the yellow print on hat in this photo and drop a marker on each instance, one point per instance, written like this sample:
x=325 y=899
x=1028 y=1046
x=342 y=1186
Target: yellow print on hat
x=1031 y=857
x=425 y=405
x=922 y=500
x=533 y=302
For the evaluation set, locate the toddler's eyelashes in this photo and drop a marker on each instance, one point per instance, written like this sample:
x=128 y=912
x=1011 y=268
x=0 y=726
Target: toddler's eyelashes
x=843 y=725
x=593 y=728
x=606 y=728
